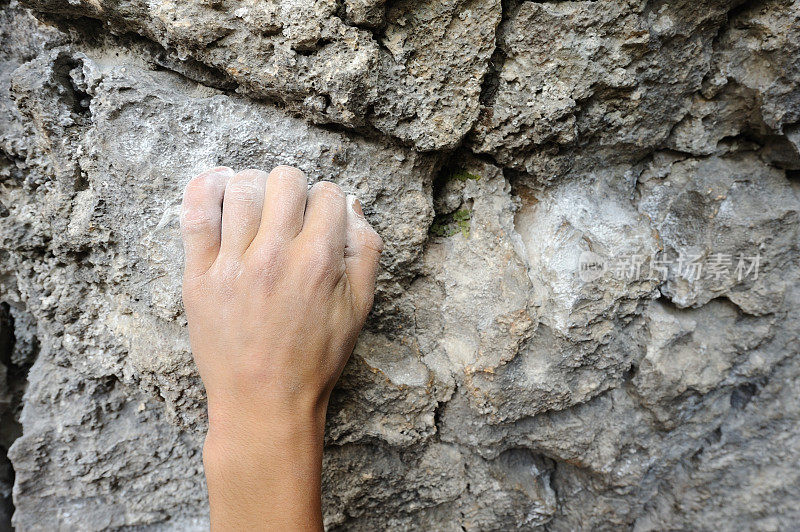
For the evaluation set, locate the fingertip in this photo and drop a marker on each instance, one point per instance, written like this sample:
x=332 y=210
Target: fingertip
x=241 y=211
x=288 y=172
x=360 y=231
x=328 y=189
x=208 y=181
x=326 y=212
x=200 y=218
x=356 y=206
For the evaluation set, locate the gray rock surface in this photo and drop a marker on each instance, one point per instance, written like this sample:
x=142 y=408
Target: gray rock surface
x=588 y=306
x=419 y=79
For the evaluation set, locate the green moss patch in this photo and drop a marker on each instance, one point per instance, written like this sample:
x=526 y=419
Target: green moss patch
x=462 y=175
x=449 y=224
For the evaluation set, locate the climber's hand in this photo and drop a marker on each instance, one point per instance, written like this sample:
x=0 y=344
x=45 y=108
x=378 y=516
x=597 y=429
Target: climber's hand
x=278 y=281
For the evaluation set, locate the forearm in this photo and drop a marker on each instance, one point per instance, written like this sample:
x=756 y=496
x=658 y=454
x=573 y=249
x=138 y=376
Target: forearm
x=264 y=472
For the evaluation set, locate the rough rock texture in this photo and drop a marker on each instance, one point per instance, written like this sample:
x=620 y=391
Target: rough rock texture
x=588 y=307
x=419 y=79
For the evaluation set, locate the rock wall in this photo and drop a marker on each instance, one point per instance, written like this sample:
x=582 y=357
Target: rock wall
x=588 y=310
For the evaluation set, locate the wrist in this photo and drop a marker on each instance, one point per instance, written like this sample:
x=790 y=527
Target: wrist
x=230 y=404
x=254 y=428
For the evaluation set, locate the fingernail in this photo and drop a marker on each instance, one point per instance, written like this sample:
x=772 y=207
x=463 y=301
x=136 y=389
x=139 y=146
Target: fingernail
x=357 y=207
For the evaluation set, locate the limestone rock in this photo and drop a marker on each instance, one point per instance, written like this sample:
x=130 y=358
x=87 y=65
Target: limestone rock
x=751 y=87
x=728 y=227
x=542 y=353
x=98 y=455
x=585 y=83
x=419 y=79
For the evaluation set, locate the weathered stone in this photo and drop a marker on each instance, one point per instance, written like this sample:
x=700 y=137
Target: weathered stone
x=98 y=455
x=419 y=80
x=733 y=216
x=369 y=13
x=752 y=86
x=581 y=84
x=539 y=356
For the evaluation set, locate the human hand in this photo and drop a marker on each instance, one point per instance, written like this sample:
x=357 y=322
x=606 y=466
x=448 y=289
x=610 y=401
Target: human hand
x=278 y=281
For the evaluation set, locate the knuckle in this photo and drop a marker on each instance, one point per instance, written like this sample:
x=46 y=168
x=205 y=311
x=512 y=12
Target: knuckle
x=244 y=188
x=225 y=276
x=318 y=271
x=219 y=283
x=270 y=255
x=320 y=246
x=373 y=240
x=197 y=221
x=206 y=183
x=198 y=188
x=321 y=258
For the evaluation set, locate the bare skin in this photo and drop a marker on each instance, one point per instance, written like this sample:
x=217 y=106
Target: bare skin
x=278 y=282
